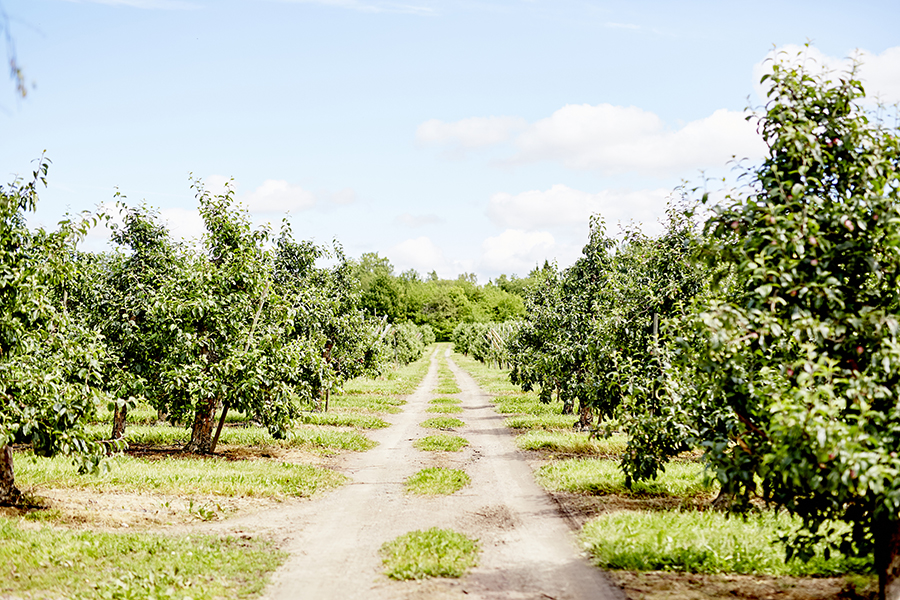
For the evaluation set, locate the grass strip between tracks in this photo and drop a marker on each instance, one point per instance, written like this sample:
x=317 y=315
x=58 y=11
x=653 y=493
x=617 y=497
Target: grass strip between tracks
x=429 y=553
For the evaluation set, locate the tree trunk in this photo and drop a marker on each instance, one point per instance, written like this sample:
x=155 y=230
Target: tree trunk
x=9 y=493
x=215 y=439
x=887 y=557
x=585 y=415
x=119 y=417
x=201 y=433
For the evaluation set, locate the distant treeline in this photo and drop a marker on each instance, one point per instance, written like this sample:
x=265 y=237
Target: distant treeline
x=441 y=303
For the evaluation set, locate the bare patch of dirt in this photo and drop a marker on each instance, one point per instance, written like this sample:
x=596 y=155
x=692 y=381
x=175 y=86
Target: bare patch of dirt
x=581 y=508
x=230 y=452
x=682 y=586
x=122 y=510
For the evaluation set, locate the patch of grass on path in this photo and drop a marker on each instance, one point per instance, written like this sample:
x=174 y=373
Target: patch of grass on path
x=447 y=387
x=570 y=442
x=444 y=408
x=85 y=564
x=182 y=476
x=430 y=553
x=446 y=380
x=441 y=443
x=442 y=423
x=445 y=401
x=598 y=476
x=703 y=542
x=435 y=481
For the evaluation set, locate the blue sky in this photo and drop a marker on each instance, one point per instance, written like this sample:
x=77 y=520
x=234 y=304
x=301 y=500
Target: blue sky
x=466 y=136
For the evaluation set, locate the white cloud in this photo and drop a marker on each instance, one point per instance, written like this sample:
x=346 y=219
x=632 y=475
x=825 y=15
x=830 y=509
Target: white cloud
x=475 y=132
x=517 y=251
x=277 y=195
x=606 y=138
x=564 y=207
x=184 y=223
x=615 y=139
x=879 y=73
x=217 y=184
x=423 y=255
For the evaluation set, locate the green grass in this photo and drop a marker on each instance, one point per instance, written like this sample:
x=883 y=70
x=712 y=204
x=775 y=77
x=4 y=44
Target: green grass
x=449 y=409
x=182 y=476
x=570 y=442
x=430 y=553
x=328 y=440
x=344 y=419
x=441 y=443
x=597 y=476
x=401 y=381
x=435 y=481
x=527 y=403
x=447 y=387
x=446 y=380
x=144 y=414
x=58 y=563
x=541 y=421
x=445 y=401
x=323 y=440
x=703 y=542
x=491 y=379
x=443 y=423
x=376 y=403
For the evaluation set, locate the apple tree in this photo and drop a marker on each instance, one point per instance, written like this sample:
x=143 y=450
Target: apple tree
x=800 y=374
x=50 y=365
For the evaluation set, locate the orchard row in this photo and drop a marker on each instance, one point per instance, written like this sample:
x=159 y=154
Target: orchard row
x=760 y=331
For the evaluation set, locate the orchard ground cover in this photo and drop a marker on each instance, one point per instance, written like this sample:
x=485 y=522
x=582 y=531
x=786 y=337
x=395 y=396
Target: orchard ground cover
x=77 y=525
x=661 y=538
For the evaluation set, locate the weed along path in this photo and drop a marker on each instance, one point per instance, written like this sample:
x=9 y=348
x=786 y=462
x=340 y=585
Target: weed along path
x=527 y=549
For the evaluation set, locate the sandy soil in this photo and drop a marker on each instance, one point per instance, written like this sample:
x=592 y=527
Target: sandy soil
x=528 y=549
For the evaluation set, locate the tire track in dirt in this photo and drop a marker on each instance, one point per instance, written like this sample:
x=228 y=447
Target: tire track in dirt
x=528 y=551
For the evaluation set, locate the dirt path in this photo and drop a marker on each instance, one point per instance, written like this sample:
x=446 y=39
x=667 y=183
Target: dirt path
x=528 y=551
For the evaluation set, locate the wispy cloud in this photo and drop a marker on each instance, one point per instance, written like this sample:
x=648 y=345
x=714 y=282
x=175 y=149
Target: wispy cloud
x=423 y=255
x=564 y=209
x=604 y=138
